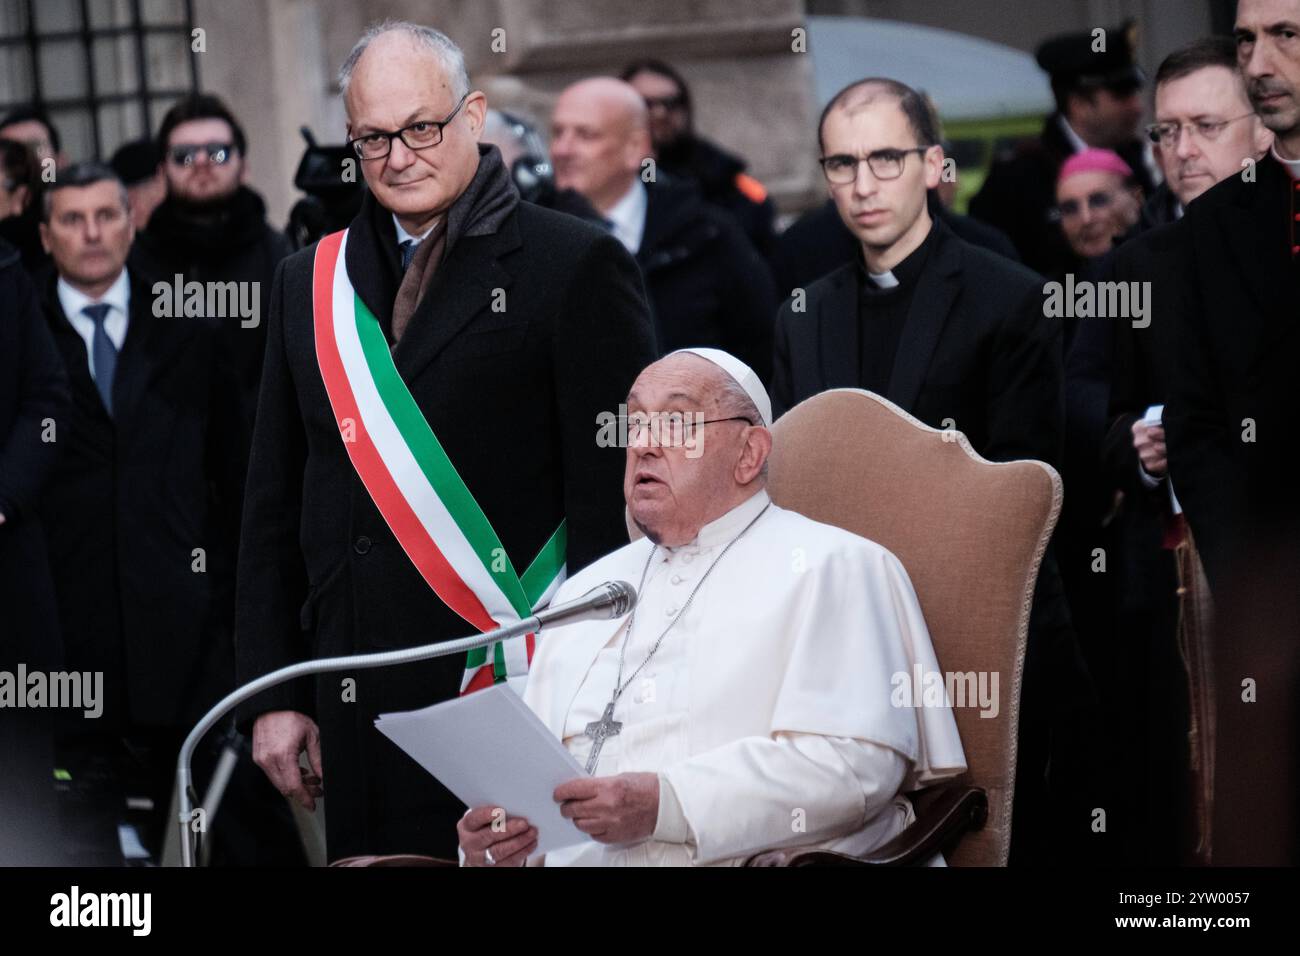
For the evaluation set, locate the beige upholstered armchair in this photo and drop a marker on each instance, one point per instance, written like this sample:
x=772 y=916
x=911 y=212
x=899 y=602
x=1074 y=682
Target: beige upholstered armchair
x=971 y=534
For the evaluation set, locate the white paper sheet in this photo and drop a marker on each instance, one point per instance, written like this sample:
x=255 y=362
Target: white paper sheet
x=490 y=749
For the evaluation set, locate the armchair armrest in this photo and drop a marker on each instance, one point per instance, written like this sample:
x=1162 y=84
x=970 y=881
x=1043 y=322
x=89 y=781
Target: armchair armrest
x=943 y=813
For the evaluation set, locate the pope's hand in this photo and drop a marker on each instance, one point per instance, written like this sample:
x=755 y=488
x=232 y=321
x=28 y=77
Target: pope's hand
x=619 y=809
x=510 y=839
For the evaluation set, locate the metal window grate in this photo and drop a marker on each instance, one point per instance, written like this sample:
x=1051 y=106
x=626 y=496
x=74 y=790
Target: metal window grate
x=105 y=70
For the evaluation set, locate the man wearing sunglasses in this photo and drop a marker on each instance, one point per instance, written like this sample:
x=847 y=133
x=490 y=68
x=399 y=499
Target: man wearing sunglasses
x=1097 y=88
x=426 y=462
x=212 y=227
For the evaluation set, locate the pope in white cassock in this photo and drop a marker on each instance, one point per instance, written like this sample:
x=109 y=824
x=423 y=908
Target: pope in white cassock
x=744 y=704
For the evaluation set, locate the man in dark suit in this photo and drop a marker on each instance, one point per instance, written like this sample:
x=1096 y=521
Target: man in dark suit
x=33 y=403
x=707 y=285
x=142 y=509
x=1116 y=372
x=1097 y=88
x=212 y=227
x=1231 y=438
x=956 y=336
x=682 y=152
x=504 y=329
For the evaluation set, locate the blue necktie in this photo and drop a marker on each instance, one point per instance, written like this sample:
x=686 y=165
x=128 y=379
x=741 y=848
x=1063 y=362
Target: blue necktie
x=103 y=353
x=408 y=252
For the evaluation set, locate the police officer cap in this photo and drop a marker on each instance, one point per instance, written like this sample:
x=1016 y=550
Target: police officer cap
x=1093 y=58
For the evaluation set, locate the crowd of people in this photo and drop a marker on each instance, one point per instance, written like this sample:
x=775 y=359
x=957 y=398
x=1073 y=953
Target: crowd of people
x=179 y=512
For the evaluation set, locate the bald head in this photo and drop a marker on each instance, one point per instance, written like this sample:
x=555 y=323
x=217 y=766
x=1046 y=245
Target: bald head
x=859 y=96
x=400 y=74
x=600 y=136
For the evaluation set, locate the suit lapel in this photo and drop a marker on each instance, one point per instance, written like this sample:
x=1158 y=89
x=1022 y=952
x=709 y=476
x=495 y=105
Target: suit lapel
x=464 y=285
x=837 y=330
x=936 y=291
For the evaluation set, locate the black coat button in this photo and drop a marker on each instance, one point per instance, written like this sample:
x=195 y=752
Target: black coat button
x=362 y=545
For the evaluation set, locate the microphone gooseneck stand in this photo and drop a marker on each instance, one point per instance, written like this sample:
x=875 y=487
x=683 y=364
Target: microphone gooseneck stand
x=617 y=599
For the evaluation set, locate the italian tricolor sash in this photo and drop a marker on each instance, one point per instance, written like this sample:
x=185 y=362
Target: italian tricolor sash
x=413 y=483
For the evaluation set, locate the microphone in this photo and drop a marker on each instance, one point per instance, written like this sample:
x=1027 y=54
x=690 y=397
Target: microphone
x=604 y=602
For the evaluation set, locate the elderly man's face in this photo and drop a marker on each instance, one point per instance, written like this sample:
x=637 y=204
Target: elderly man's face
x=1268 y=52
x=1216 y=129
x=394 y=85
x=89 y=232
x=1096 y=208
x=671 y=492
x=597 y=146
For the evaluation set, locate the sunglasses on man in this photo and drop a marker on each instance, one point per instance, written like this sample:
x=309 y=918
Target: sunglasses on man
x=218 y=153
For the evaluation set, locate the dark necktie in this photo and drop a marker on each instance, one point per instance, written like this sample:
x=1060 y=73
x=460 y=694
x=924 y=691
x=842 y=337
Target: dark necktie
x=103 y=353
x=408 y=252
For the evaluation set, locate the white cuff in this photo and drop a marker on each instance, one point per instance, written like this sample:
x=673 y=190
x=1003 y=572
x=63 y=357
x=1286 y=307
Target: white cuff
x=671 y=826
x=1148 y=481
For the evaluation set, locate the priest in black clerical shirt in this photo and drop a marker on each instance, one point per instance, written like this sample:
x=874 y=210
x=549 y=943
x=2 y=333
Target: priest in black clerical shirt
x=956 y=336
x=948 y=331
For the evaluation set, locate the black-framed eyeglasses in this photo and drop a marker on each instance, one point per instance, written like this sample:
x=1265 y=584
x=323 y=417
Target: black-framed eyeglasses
x=842 y=169
x=218 y=153
x=1167 y=134
x=1070 y=208
x=421 y=134
x=670 y=429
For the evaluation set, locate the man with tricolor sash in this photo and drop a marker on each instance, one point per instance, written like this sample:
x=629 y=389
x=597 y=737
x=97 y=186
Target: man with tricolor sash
x=425 y=462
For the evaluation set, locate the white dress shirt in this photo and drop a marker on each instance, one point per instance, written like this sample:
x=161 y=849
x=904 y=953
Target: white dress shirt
x=628 y=216
x=118 y=298
x=403 y=235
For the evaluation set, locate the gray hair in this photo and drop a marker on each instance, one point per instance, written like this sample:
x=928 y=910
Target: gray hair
x=82 y=174
x=432 y=41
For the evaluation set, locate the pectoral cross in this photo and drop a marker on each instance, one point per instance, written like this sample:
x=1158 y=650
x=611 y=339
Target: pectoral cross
x=599 y=731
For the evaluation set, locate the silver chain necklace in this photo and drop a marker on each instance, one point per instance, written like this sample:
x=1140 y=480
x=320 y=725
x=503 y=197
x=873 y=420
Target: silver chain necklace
x=601 y=730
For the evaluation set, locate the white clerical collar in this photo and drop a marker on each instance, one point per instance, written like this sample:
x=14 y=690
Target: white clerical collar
x=721 y=531
x=117 y=297
x=1291 y=164
x=403 y=235
x=883 y=280
x=627 y=216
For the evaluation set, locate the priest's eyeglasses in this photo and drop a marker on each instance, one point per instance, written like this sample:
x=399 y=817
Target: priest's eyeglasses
x=841 y=169
x=671 y=429
x=421 y=134
x=1168 y=134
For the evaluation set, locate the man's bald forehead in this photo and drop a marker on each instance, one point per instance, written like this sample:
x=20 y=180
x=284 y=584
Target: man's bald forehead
x=613 y=95
x=863 y=94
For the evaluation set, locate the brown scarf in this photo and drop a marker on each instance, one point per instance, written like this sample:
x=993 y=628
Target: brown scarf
x=489 y=198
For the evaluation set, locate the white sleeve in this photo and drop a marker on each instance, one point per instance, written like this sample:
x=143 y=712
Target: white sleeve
x=760 y=793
